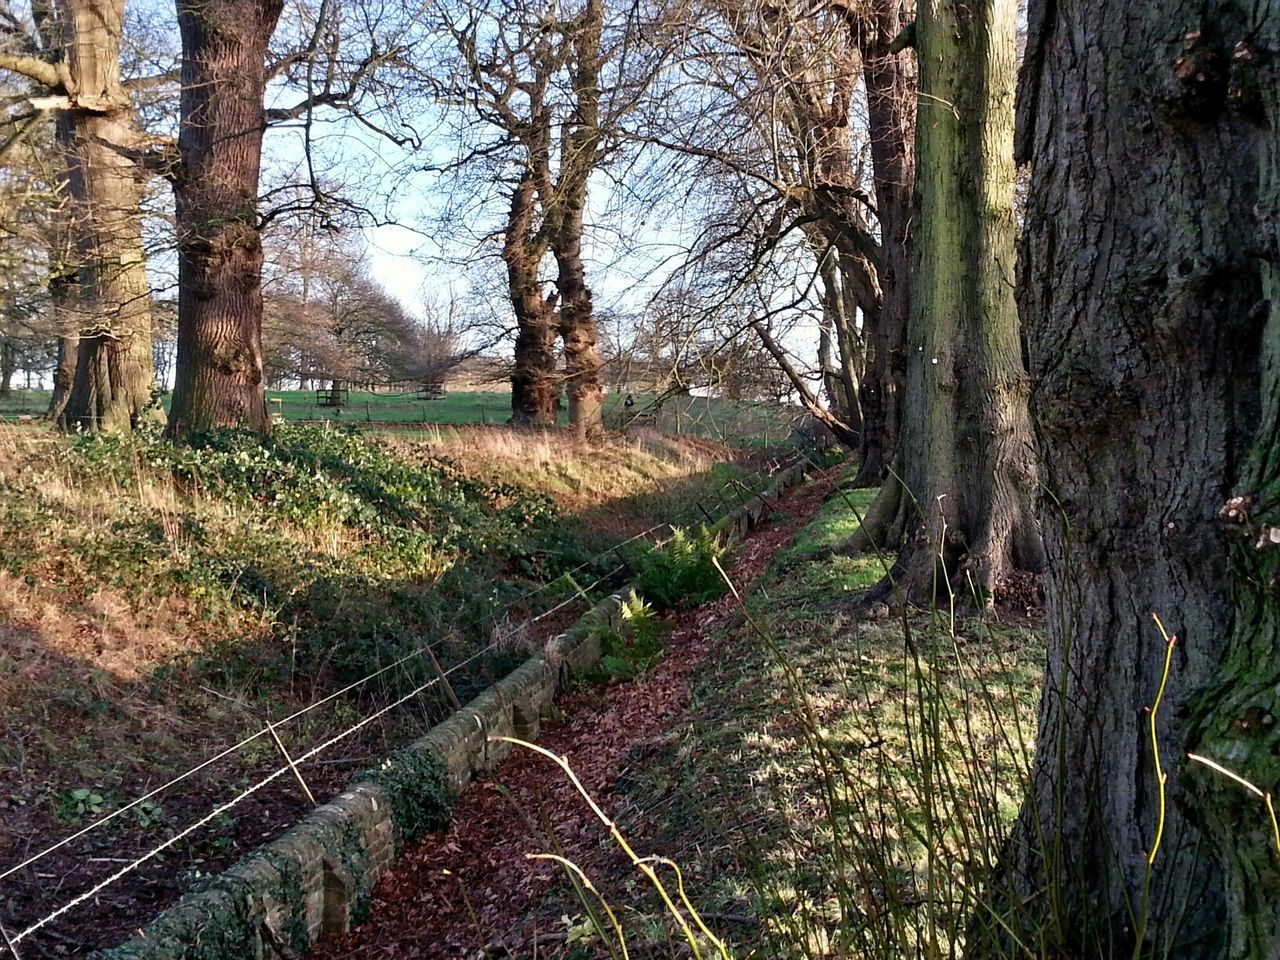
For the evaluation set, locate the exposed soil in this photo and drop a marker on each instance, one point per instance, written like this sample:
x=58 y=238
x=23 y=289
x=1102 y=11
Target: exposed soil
x=473 y=891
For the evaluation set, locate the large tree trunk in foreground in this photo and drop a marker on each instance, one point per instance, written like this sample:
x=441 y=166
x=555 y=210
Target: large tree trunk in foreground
x=965 y=459
x=890 y=79
x=534 y=383
x=1153 y=314
x=114 y=375
x=219 y=380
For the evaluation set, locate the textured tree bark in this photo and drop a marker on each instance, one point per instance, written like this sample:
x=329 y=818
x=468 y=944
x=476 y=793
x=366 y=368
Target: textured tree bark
x=68 y=347
x=8 y=364
x=564 y=205
x=583 y=365
x=534 y=383
x=63 y=279
x=114 y=376
x=965 y=447
x=219 y=380
x=1149 y=288
x=832 y=382
x=838 y=329
x=890 y=80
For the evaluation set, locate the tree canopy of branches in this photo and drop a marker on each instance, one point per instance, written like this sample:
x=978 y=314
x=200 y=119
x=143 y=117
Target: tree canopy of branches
x=544 y=90
x=326 y=319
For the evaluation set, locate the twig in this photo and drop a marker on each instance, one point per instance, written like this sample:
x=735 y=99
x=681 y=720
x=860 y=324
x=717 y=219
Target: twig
x=13 y=950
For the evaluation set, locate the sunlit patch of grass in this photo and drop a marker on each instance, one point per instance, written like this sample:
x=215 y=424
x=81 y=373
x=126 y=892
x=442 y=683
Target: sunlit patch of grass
x=835 y=523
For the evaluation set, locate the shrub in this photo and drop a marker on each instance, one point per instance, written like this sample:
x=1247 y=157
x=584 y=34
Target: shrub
x=634 y=649
x=416 y=786
x=681 y=571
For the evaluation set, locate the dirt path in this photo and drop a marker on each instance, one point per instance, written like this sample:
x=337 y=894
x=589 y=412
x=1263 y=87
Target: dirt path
x=472 y=890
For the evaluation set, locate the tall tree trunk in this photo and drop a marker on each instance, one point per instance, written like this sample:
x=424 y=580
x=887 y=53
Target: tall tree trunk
x=584 y=367
x=846 y=364
x=8 y=365
x=1152 y=302
x=219 y=378
x=63 y=288
x=114 y=377
x=64 y=370
x=832 y=383
x=534 y=385
x=890 y=79
x=965 y=445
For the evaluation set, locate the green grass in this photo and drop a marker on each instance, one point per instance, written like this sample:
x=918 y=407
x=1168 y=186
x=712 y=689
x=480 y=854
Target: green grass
x=24 y=403
x=738 y=423
x=840 y=784
x=834 y=524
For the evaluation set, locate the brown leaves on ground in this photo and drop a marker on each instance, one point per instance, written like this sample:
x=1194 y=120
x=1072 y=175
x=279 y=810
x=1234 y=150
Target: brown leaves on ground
x=473 y=889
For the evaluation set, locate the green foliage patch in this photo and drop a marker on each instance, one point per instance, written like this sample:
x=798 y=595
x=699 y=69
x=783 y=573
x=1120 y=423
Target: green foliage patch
x=632 y=650
x=417 y=787
x=681 y=571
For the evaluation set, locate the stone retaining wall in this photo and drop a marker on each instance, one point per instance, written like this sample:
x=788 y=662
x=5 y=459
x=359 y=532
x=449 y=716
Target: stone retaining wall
x=318 y=877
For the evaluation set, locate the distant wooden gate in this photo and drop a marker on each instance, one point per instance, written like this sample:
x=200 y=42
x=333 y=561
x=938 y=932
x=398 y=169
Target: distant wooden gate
x=336 y=396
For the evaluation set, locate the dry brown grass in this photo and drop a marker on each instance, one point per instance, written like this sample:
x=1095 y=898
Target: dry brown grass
x=578 y=475
x=63 y=630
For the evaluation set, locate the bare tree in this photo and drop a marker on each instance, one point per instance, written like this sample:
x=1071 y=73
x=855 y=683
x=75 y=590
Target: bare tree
x=534 y=387
x=226 y=68
x=541 y=92
x=564 y=198
x=326 y=318
x=822 y=116
x=70 y=53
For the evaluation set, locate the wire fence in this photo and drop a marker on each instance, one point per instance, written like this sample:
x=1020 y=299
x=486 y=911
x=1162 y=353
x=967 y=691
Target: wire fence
x=292 y=764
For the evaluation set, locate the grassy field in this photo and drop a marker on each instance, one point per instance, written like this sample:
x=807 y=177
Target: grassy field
x=157 y=603
x=738 y=423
